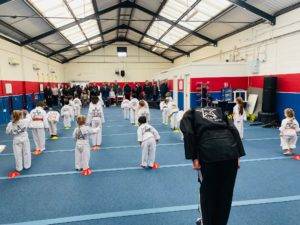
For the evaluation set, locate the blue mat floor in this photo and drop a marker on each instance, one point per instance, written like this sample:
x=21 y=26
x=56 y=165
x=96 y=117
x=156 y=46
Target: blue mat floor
x=119 y=192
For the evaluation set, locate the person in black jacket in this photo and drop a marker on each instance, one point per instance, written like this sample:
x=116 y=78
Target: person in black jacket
x=127 y=91
x=215 y=147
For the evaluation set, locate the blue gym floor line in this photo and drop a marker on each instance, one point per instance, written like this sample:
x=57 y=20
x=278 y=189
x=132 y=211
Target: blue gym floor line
x=152 y=211
x=133 y=168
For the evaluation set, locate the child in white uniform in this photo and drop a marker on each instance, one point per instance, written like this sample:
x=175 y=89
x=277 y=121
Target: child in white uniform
x=82 y=148
x=172 y=115
x=125 y=105
x=238 y=116
x=71 y=103
x=21 y=145
x=163 y=108
x=288 y=132
x=53 y=119
x=133 y=109
x=95 y=119
x=67 y=113
x=38 y=123
x=142 y=110
x=77 y=106
x=147 y=137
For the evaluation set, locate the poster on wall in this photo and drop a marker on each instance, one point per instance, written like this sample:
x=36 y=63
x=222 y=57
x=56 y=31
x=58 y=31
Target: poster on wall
x=8 y=88
x=41 y=87
x=180 y=85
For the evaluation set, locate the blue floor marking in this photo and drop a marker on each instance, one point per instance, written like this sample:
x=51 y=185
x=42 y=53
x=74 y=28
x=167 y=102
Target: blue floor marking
x=153 y=211
x=133 y=168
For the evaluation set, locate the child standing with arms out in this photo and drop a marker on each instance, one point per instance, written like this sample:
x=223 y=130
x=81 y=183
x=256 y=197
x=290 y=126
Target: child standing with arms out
x=125 y=105
x=95 y=119
x=53 y=119
x=239 y=115
x=172 y=115
x=67 y=114
x=38 y=123
x=77 y=106
x=82 y=148
x=147 y=137
x=133 y=108
x=288 y=132
x=21 y=145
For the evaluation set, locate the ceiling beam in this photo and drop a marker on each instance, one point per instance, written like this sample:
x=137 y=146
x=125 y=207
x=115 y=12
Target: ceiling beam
x=148 y=50
x=157 y=40
x=130 y=16
x=4 y=1
x=53 y=31
x=130 y=4
x=70 y=47
x=164 y=2
x=253 y=9
x=84 y=53
x=95 y=7
x=24 y=35
x=119 y=18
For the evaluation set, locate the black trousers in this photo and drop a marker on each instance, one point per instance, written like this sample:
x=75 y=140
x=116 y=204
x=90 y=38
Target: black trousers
x=216 y=191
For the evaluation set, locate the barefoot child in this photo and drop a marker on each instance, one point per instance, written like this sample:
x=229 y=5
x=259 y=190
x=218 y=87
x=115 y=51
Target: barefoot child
x=21 y=145
x=143 y=110
x=288 y=132
x=133 y=108
x=95 y=118
x=164 y=109
x=77 y=106
x=82 y=149
x=125 y=105
x=38 y=123
x=238 y=116
x=66 y=113
x=53 y=119
x=147 y=137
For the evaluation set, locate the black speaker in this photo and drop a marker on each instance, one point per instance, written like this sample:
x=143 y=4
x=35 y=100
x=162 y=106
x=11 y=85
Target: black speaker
x=122 y=73
x=269 y=94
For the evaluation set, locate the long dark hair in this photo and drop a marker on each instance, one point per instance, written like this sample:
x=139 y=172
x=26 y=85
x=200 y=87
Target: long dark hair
x=240 y=103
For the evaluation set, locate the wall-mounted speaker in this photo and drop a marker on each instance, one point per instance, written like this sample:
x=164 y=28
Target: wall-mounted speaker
x=122 y=73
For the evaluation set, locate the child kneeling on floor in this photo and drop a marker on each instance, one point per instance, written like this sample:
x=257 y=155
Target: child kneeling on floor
x=21 y=145
x=288 y=132
x=147 y=137
x=82 y=149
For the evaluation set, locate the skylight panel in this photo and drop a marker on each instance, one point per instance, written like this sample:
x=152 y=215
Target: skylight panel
x=90 y=28
x=81 y=8
x=174 y=9
x=96 y=40
x=203 y=12
x=148 y=41
x=52 y=9
x=158 y=28
x=73 y=34
x=174 y=35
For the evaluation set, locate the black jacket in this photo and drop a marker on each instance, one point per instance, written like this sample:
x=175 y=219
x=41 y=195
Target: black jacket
x=209 y=136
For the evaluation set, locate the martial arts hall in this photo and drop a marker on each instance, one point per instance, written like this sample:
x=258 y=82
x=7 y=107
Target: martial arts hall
x=240 y=56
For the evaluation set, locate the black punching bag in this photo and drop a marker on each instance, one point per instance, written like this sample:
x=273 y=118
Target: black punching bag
x=269 y=95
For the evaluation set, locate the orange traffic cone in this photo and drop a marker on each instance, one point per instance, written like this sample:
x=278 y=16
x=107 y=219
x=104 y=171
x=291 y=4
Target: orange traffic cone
x=296 y=157
x=155 y=166
x=37 y=152
x=86 y=172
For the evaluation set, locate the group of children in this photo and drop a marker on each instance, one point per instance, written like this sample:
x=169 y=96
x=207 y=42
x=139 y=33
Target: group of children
x=38 y=120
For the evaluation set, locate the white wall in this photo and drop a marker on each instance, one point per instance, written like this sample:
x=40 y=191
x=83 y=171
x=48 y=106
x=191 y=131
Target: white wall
x=24 y=71
x=100 y=65
x=277 y=47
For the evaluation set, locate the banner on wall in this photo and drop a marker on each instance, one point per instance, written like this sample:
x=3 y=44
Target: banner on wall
x=180 y=84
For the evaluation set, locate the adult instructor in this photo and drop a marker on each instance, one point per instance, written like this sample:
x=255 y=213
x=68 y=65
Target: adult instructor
x=214 y=145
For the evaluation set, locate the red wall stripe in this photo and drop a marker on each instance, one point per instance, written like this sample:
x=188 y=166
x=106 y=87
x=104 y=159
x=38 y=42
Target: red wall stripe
x=217 y=83
x=170 y=85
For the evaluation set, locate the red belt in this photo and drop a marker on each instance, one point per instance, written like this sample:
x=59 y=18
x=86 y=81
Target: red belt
x=37 y=119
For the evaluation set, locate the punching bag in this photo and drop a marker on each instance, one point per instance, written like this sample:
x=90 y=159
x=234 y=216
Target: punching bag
x=269 y=95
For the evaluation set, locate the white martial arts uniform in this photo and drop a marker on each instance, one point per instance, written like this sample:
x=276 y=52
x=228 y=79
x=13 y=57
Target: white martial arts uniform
x=38 y=122
x=82 y=149
x=133 y=109
x=288 y=131
x=125 y=105
x=163 y=108
x=172 y=113
x=143 y=111
x=53 y=118
x=147 y=136
x=21 y=144
x=179 y=116
x=67 y=113
x=95 y=118
x=71 y=103
x=101 y=100
x=77 y=106
x=238 y=120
